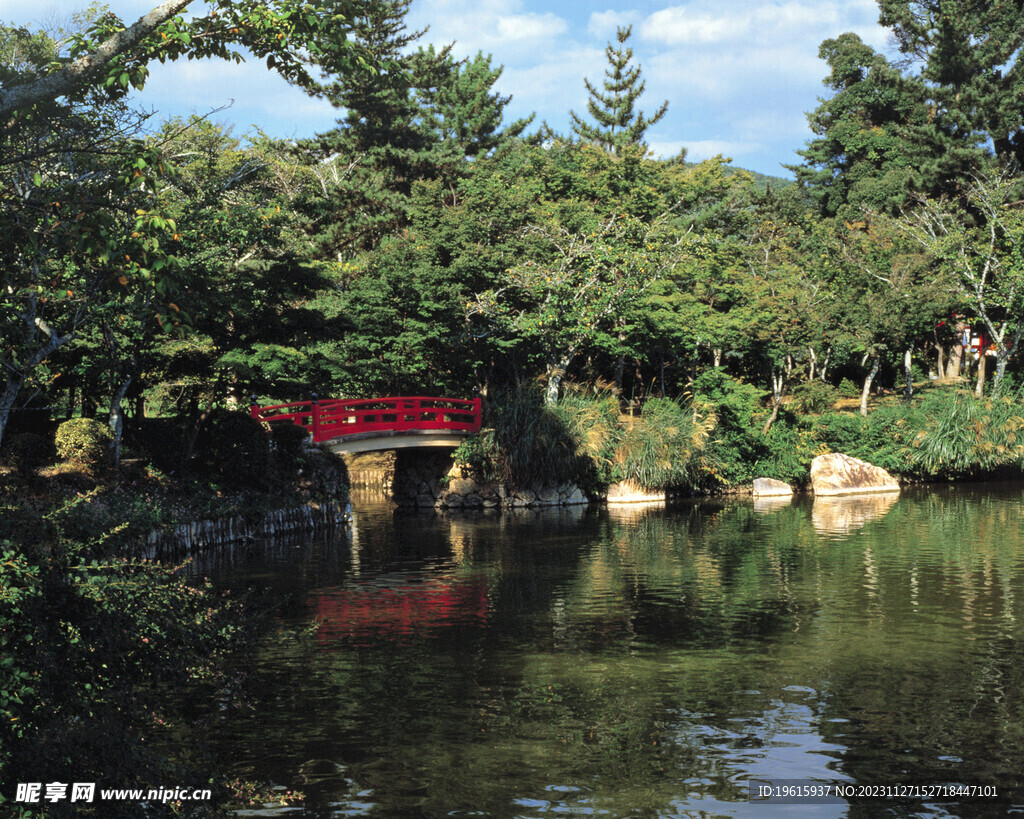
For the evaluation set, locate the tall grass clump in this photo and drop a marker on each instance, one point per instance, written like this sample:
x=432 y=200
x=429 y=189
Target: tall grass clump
x=667 y=446
x=591 y=416
x=970 y=435
x=526 y=443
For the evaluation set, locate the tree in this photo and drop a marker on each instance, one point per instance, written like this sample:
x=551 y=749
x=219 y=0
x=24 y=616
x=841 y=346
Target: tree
x=579 y=282
x=616 y=123
x=862 y=155
x=970 y=61
x=977 y=237
x=80 y=210
x=418 y=119
x=286 y=33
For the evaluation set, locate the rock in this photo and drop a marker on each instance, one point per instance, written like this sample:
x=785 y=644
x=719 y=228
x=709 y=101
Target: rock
x=453 y=501
x=473 y=501
x=837 y=474
x=548 y=496
x=769 y=487
x=576 y=497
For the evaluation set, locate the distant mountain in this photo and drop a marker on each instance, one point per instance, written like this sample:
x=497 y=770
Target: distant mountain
x=762 y=181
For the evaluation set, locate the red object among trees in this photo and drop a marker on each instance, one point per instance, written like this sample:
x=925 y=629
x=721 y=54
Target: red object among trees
x=337 y=417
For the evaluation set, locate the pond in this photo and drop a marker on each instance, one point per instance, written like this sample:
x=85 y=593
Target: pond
x=643 y=662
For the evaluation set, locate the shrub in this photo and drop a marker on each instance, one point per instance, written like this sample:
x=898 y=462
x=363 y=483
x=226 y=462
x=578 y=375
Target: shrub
x=27 y=451
x=233 y=447
x=839 y=431
x=964 y=434
x=287 y=442
x=666 y=446
x=847 y=389
x=83 y=442
x=161 y=440
x=528 y=443
x=814 y=397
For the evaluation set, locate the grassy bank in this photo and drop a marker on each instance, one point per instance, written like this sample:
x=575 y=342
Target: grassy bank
x=712 y=439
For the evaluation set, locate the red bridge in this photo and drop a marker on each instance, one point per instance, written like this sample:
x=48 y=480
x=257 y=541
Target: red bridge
x=362 y=425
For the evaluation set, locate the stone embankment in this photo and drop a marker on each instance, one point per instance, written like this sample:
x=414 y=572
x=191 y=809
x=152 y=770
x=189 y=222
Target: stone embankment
x=202 y=534
x=431 y=481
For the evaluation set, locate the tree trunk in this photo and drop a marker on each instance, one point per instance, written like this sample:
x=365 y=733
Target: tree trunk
x=1003 y=358
x=940 y=362
x=778 y=392
x=908 y=389
x=186 y=458
x=620 y=369
x=979 y=387
x=867 y=385
x=10 y=394
x=117 y=421
x=956 y=356
x=556 y=372
x=717 y=353
x=813 y=359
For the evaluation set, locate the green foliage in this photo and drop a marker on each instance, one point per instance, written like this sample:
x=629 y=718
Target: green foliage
x=83 y=442
x=847 y=389
x=86 y=643
x=582 y=439
x=814 y=397
x=841 y=431
x=27 y=451
x=233 y=448
x=666 y=447
x=617 y=125
x=529 y=444
x=966 y=435
x=592 y=416
x=287 y=442
x=161 y=440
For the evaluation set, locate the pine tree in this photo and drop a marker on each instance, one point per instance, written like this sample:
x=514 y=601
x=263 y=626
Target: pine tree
x=419 y=119
x=463 y=110
x=381 y=145
x=617 y=124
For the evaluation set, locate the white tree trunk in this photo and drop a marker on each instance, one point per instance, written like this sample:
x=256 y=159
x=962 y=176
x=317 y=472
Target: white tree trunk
x=867 y=385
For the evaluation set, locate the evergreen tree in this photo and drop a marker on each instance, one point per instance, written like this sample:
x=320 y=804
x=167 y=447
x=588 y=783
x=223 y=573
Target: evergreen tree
x=463 y=111
x=862 y=155
x=418 y=119
x=382 y=144
x=970 y=58
x=617 y=124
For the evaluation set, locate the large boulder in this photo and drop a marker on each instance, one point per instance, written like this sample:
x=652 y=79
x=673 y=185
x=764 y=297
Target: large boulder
x=837 y=474
x=771 y=488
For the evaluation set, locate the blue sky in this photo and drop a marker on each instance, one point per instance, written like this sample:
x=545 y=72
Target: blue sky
x=739 y=75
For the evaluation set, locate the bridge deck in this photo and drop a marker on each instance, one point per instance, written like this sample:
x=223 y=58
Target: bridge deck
x=364 y=425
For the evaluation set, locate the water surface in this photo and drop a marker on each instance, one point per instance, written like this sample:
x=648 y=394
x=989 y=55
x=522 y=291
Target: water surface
x=640 y=662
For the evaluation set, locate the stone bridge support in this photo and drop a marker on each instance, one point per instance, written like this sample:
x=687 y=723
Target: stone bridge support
x=428 y=479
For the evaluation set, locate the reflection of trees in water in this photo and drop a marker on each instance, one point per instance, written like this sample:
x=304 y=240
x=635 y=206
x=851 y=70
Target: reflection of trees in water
x=623 y=657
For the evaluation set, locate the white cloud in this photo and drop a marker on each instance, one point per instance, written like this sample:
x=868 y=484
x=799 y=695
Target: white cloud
x=697 y=150
x=681 y=25
x=604 y=24
x=499 y=27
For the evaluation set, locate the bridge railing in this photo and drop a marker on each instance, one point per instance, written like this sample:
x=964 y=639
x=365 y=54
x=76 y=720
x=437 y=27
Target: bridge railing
x=338 y=417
